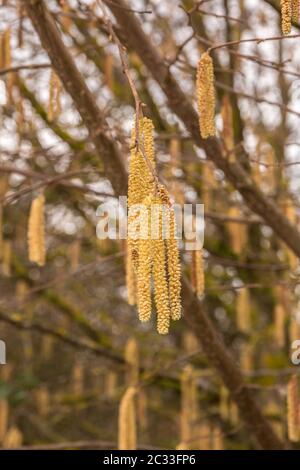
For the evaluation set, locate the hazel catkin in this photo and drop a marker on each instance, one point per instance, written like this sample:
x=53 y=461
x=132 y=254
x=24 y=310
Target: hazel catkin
x=206 y=96
x=36 y=231
x=286 y=16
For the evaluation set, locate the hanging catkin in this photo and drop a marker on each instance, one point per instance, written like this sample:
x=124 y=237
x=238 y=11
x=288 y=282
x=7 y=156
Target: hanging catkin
x=295 y=10
x=140 y=182
x=4 y=409
x=286 y=16
x=42 y=400
x=6 y=258
x=243 y=310
x=127 y=435
x=237 y=231
x=145 y=263
x=279 y=324
x=293 y=409
x=161 y=293
x=13 y=438
x=54 y=107
x=198 y=280
x=206 y=96
x=227 y=132
x=132 y=362
x=36 y=231
x=152 y=248
x=189 y=407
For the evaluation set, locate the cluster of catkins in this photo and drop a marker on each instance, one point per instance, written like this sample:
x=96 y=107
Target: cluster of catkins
x=152 y=248
x=289 y=14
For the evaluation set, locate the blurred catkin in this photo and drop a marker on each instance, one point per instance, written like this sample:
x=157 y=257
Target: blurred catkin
x=189 y=406
x=279 y=324
x=293 y=409
x=13 y=438
x=36 y=231
x=198 y=280
x=127 y=434
x=145 y=264
x=54 y=107
x=132 y=361
x=206 y=96
x=243 y=310
x=4 y=410
x=286 y=16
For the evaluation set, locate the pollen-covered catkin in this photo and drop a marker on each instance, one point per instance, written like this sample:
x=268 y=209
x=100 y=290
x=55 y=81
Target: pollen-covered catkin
x=161 y=293
x=293 y=409
x=173 y=261
x=145 y=264
x=286 y=16
x=198 y=272
x=206 y=96
x=295 y=10
x=36 y=231
x=140 y=182
x=130 y=279
x=127 y=436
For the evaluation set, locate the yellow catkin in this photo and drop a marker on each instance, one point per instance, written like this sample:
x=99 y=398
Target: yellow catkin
x=140 y=182
x=109 y=71
x=42 y=399
x=237 y=231
x=224 y=403
x=198 y=279
x=145 y=263
x=227 y=132
x=161 y=292
x=190 y=342
x=130 y=279
x=74 y=254
x=243 y=310
x=13 y=438
x=54 y=107
x=246 y=357
x=66 y=18
x=143 y=409
x=77 y=379
x=293 y=409
x=204 y=436
x=189 y=407
x=295 y=10
x=47 y=347
x=286 y=16
x=110 y=384
x=279 y=324
x=4 y=411
x=217 y=439
x=131 y=356
x=127 y=434
x=206 y=96
x=174 y=270
x=6 y=258
x=36 y=231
